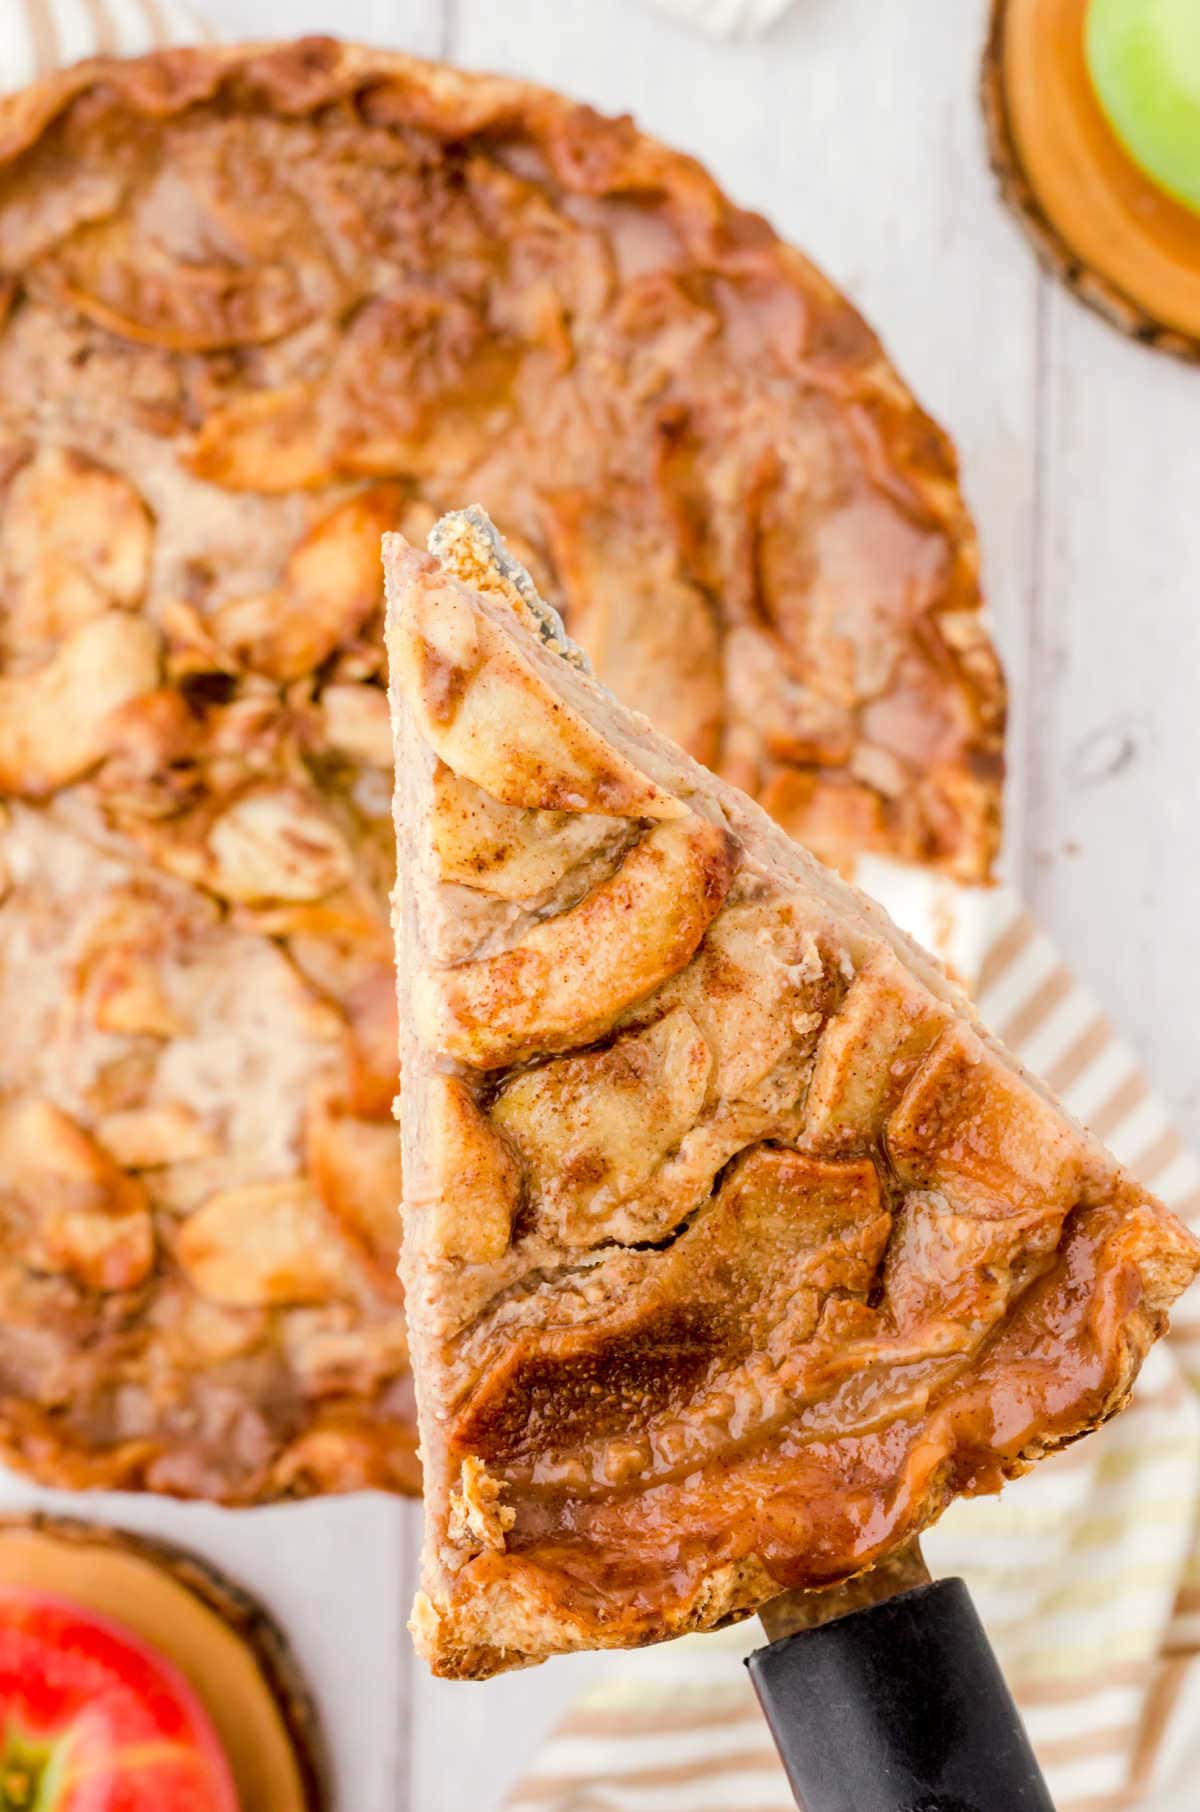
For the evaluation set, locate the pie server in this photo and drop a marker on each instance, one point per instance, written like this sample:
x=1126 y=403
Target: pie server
x=884 y=1696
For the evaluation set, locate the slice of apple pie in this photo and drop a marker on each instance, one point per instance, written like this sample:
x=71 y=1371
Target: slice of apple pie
x=734 y=1246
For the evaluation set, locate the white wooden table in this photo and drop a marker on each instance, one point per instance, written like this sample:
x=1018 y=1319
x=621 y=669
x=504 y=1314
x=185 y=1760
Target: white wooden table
x=854 y=126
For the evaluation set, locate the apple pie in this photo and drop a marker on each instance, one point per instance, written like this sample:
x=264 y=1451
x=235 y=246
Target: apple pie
x=734 y=1246
x=256 y=306
x=247 y=277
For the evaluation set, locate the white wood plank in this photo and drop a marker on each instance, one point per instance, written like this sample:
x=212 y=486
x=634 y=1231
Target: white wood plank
x=471 y=1743
x=1115 y=874
x=412 y=25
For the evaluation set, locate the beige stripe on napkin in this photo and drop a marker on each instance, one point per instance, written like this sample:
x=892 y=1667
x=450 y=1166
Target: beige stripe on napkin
x=1087 y=1572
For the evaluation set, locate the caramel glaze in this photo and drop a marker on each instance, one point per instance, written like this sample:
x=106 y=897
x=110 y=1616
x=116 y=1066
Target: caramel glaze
x=815 y=1509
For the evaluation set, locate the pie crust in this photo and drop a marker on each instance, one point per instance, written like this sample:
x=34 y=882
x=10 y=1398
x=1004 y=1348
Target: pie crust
x=734 y=1246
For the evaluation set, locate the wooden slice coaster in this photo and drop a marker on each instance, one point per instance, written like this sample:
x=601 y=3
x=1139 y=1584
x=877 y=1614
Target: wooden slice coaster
x=1124 y=246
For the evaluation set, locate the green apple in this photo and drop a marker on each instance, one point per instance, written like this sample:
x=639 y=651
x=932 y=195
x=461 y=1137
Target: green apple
x=1144 y=61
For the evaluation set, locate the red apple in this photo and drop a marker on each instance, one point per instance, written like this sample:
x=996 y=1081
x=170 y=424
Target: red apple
x=91 y=1720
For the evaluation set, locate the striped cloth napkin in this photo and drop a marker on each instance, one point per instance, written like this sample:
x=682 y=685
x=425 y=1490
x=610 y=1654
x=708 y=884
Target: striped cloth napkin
x=1087 y=1573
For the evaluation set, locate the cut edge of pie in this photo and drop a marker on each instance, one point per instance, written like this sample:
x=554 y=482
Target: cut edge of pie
x=734 y=1246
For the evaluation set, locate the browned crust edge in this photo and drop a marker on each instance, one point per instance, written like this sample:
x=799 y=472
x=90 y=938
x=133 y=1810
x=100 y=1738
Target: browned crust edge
x=34 y=1444
x=250 y=1621
x=1088 y=285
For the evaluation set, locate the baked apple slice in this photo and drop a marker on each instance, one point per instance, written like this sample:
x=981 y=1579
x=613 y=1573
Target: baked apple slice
x=734 y=1247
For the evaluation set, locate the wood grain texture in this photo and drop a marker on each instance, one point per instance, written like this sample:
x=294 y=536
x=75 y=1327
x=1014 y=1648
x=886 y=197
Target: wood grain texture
x=1112 y=861
x=412 y=25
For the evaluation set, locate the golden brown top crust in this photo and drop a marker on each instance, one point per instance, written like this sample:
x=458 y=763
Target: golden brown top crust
x=314 y=264
x=734 y=1248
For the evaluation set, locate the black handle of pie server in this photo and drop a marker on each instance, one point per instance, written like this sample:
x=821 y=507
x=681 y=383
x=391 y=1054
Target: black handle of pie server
x=900 y=1707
